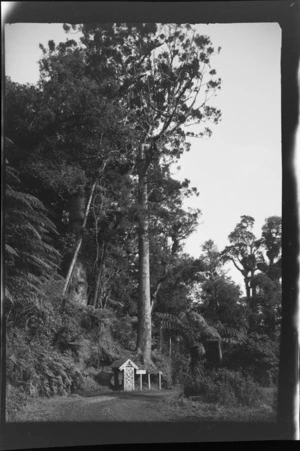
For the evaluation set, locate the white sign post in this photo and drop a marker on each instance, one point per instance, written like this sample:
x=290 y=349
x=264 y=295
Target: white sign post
x=159 y=380
x=141 y=372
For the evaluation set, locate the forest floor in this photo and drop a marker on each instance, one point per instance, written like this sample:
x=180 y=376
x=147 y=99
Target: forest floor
x=139 y=406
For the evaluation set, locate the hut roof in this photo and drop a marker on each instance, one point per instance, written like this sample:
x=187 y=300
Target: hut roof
x=121 y=363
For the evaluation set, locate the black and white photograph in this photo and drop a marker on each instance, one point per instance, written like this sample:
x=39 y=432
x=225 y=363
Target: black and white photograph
x=144 y=184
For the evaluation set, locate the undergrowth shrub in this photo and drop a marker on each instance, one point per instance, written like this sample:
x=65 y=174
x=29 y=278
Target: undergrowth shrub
x=48 y=359
x=51 y=343
x=180 y=368
x=164 y=364
x=258 y=356
x=99 y=326
x=100 y=355
x=225 y=387
x=16 y=398
x=92 y=318
x=39 y=369
x=89 y=387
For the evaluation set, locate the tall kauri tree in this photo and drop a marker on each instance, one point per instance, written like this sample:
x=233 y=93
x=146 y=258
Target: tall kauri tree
x=270 y=263
x=163 y=77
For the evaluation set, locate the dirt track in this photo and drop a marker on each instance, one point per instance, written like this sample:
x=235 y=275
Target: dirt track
x=145 y=406
x=122 y=406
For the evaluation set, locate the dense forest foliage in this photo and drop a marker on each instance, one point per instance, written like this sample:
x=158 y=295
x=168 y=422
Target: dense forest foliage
x=95 y=225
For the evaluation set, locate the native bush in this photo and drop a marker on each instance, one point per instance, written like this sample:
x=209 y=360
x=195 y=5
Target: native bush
x=43 y=340
x=38 y=369
x=93 y=319
x=16 y=398
x=258 y=356
x=180 y=368
x=164 y=364
x=224 y=387
x=89 y=387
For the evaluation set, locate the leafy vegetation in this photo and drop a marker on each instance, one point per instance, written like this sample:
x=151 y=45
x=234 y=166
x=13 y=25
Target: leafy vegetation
x=95 y=226
x=225 y=387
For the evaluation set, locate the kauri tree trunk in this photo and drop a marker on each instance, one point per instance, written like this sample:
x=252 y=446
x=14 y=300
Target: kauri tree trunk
x=144 y=304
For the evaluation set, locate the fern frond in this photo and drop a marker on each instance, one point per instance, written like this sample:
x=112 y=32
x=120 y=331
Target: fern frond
x=33 y=230
x=231 y=334
x=10 y=250
x=15 y=195
x=51 y=249
x=11 y=175
x=38 y=260
x=32 y=278
x=8 y=295
x=170 y=322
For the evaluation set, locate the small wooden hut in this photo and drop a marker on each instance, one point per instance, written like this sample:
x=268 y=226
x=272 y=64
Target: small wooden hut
x=124 y=372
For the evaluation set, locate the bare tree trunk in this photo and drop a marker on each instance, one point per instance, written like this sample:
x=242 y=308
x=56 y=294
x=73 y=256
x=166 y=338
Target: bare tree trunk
x=144 y=307
x=160 y=338
x=77 y=212
x=97 y=287
x=252 y=283
x=99 y=276
x=248 y=293
x=78 y=230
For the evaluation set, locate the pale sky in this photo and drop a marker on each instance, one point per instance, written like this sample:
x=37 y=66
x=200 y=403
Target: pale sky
x=238 y=170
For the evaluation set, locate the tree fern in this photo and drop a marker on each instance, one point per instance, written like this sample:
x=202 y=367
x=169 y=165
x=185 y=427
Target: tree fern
x=30 y=258
x=188 y=323
x=197 y=333
x=194 y=330
x=199 y=325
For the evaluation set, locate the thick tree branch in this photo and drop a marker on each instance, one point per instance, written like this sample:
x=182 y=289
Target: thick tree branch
x=239 y=269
